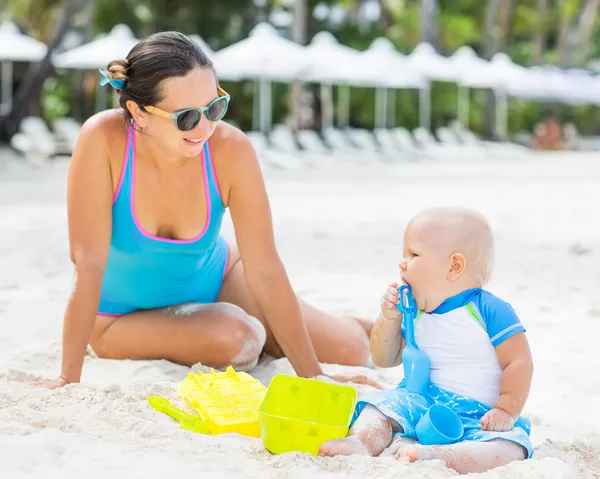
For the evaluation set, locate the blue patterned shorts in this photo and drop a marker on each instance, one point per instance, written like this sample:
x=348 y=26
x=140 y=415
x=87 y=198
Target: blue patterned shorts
x=407 y=408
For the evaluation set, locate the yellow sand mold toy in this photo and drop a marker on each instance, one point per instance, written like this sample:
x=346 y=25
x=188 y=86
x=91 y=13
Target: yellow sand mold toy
x=301 y=414
x=225 y=402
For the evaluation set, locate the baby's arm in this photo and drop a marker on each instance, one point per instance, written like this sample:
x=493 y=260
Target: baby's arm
x=387 y=342
x=515 y=360
x=507 y=335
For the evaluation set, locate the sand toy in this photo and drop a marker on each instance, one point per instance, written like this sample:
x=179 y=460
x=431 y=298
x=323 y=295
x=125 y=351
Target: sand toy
x=227 y=401
x=186 y=421
x=224 y=402
x=300 y=414
x=416 y=363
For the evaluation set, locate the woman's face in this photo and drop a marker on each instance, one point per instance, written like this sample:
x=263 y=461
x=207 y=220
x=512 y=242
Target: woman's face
x=194 y=90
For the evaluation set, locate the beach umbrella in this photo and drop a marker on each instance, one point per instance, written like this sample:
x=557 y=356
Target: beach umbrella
x=465 y=60
x=435 y=67
x=264 y=56
x=202 y=44
x=384 y=67
x=429 y=63
x=16 y=47
x=507 y=79
x=328 y=62
x=99 y=52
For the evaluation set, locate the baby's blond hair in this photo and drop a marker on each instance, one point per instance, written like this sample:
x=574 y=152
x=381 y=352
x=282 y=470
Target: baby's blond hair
x=467 y=232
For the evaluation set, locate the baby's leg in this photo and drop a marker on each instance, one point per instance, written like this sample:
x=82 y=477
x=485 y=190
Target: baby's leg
x=369 y=436
x=467 y=457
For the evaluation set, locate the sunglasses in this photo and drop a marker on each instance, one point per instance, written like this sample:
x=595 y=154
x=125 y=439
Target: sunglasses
x=188 y=119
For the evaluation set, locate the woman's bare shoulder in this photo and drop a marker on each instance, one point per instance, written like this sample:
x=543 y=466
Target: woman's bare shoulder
x=102 y=143
x=233 y=157
x=103 y=135
x=105 y=124
x=231 y=142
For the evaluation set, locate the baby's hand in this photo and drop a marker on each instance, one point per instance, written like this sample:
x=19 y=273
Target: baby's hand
x=497 y=420
x=389 y=303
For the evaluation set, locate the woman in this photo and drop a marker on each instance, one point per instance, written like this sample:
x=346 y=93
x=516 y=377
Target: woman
x=148 y=185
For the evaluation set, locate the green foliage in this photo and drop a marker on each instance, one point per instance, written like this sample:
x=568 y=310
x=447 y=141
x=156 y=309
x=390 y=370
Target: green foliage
x=56 y=99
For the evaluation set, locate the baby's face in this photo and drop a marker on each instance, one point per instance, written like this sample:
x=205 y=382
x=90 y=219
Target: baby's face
x=426 y=266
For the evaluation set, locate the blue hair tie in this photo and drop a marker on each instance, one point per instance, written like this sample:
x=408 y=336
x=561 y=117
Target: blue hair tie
x=116 y=84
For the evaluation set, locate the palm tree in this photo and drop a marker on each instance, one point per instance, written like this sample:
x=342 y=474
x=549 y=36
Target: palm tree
x=299 y=34
x=539 y=37
x=567 y=11
x=33 y=82
x=429 y=12
x=587 y=23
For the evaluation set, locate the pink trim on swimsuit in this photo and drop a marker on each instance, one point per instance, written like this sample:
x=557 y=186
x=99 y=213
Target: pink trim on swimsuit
x=158 y=238
x=124 y=167
x=212 y=169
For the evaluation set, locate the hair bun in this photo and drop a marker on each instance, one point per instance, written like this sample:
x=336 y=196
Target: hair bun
x=117 y=69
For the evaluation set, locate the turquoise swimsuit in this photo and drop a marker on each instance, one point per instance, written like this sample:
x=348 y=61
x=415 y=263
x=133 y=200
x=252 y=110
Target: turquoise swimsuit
x=145 y=271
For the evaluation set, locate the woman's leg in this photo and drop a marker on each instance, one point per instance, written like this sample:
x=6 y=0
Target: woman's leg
x=216 y=335
x=337 y=340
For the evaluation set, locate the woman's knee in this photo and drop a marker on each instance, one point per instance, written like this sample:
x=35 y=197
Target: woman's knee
x=355 y=348
x=244 y=340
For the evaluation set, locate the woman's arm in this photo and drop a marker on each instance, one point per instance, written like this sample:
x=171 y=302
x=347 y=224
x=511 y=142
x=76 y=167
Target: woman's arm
x=89 y=208
x=265 y=273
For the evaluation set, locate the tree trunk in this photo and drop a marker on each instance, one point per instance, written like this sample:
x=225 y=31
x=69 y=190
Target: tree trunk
x=539 y=36
x=429 y=11
x=587 y=22
x=299 y=36
x=506 y=23
x=386 y=19
x=491 y=28
x=568 y=9
x=490 y=47
x=85 y=105
x=32 y=84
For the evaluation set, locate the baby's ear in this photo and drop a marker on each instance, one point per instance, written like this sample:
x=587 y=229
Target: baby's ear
x=458 y=263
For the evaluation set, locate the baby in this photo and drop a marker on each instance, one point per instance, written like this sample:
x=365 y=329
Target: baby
x=481 y=365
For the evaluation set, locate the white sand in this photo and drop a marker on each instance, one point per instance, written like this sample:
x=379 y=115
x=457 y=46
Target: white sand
x=340 y=237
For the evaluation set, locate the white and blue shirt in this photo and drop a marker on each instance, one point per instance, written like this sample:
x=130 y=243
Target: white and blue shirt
x=460 y=338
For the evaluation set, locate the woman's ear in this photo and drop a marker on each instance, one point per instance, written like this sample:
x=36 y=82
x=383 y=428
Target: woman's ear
x=139 y=116
x=458 y=263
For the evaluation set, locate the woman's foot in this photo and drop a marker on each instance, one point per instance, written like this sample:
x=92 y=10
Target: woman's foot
x=343 y=447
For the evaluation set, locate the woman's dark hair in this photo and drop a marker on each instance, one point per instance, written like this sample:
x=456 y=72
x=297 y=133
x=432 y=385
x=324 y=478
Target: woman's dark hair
x=154 y=59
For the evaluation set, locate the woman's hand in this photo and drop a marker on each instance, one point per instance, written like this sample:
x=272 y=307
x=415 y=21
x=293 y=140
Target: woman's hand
x=51 y=383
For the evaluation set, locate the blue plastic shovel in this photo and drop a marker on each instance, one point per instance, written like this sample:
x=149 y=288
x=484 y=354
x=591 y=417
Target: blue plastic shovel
x=416 y=363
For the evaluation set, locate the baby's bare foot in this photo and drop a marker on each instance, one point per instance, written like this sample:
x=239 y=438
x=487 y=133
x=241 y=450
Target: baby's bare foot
x=343 y=447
